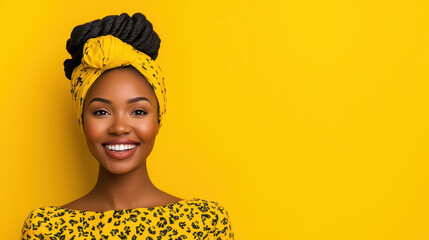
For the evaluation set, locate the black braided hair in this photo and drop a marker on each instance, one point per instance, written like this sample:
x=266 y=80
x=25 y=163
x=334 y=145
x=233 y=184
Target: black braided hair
x=136 y=31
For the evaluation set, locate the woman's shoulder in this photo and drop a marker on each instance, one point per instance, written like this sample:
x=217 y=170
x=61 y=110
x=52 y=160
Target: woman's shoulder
x=32 y=226
x=208 y=205
x=40 y=213
x=211 y=207
x=220 y=220
x=36 y=216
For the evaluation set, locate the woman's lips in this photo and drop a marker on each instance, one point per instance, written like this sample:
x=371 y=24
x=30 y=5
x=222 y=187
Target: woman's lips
x=121 y=154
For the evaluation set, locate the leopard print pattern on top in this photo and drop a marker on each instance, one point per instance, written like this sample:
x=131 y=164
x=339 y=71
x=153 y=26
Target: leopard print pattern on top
x=186 y=219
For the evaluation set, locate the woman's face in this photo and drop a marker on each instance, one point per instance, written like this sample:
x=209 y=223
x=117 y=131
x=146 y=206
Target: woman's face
x=115 y=110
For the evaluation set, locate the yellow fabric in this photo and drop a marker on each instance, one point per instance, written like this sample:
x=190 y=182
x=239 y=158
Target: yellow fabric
x=186 y=219
x=107 y=52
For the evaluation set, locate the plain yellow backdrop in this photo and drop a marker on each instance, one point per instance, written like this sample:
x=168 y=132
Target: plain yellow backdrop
x=305 y=119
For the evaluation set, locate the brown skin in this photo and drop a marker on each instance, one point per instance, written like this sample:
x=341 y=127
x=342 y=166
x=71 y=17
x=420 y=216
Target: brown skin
x=121 y=184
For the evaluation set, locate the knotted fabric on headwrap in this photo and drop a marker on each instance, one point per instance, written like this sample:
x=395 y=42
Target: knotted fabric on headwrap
x=106 y=52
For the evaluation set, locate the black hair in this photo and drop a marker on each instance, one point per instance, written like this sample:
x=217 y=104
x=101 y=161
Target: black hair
x=136 y=31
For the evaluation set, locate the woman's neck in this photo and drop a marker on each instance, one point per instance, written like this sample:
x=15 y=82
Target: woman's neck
x=123 y=191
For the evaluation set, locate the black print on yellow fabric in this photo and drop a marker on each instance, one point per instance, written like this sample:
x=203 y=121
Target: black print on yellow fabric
x=196 y=219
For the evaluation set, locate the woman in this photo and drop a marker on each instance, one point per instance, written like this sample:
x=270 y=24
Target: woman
x=120 y=100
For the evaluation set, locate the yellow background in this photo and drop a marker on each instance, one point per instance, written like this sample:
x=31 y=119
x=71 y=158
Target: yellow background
x=305 y=119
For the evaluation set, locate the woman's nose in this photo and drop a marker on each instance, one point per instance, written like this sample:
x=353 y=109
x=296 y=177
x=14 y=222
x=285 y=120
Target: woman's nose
x=119 y=125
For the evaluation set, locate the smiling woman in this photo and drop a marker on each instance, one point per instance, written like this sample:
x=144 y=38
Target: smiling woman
x=120 y=99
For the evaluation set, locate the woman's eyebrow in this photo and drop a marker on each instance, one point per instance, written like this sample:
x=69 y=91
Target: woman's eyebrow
x=138 y=99
x=128 y=102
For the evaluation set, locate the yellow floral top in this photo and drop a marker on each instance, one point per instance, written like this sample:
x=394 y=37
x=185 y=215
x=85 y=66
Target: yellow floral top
x=186 y=219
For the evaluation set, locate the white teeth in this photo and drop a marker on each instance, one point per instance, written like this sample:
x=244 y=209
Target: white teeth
x=120 y=147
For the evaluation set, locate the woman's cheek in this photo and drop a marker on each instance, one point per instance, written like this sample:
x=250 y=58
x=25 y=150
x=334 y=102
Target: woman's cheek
x=146 y=129
x=95 y=128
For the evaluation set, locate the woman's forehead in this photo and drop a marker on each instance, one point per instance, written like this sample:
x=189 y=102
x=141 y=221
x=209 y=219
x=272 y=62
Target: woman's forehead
x=121 y=84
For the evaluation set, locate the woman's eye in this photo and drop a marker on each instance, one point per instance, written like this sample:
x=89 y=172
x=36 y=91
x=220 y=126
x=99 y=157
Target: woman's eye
x=139 y=112
x=102 y=112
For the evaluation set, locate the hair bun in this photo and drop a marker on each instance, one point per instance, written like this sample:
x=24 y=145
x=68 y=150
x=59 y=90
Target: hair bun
x=136 y=31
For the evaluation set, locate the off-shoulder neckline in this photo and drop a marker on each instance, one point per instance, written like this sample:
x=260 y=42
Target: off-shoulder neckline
x=118 y=210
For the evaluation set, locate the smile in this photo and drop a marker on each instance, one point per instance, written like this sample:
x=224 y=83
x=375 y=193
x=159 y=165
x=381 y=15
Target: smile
x=120 y=151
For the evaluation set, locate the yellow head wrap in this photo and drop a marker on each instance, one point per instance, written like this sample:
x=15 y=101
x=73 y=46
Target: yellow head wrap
x=106 y=52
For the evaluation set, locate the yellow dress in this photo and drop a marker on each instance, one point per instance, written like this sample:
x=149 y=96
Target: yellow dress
x=186 y=219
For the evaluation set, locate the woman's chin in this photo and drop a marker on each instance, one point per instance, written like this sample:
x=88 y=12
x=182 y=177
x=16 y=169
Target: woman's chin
x=119 y=167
